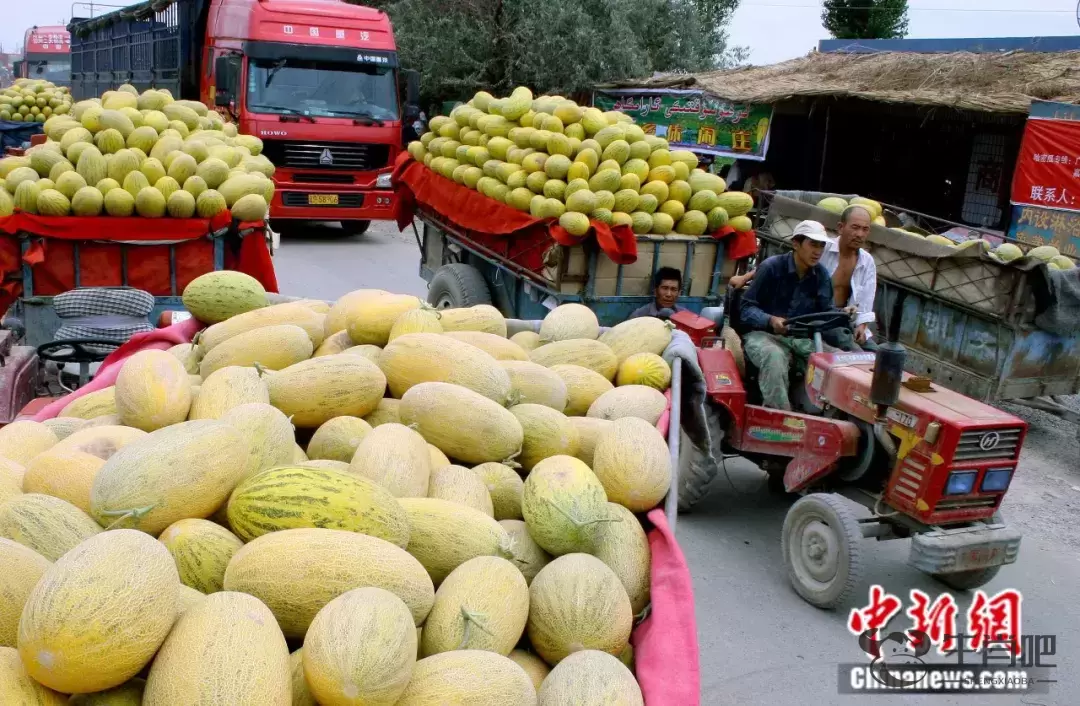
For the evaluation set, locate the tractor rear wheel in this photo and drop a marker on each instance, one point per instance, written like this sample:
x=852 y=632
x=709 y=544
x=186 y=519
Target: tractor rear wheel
x=821 y=545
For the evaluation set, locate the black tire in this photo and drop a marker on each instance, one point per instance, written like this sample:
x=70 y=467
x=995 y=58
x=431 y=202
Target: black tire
x=695 y=482
x=355 y=227
x=967 y=580
x=458 y=285
x=811 y=518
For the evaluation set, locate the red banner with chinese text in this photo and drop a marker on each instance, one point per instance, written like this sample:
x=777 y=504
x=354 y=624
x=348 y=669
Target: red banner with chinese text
x=1048 y=168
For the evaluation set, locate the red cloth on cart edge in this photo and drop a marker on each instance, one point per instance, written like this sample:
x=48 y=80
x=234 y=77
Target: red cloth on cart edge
x=742 y=245
x=471 y=210
x=159 y=339
x=665 y=643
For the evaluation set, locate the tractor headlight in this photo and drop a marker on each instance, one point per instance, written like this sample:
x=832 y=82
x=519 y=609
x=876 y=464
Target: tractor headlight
x=960 y=482
x=996 y=480
x=382 y=181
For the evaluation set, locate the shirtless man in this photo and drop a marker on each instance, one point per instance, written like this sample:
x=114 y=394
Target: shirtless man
x=854 y=274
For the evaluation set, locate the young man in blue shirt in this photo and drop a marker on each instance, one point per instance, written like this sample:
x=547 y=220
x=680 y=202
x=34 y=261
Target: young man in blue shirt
x=784 y=286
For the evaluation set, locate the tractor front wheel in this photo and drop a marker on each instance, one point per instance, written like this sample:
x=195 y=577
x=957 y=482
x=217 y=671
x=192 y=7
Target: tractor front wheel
x=822 y=549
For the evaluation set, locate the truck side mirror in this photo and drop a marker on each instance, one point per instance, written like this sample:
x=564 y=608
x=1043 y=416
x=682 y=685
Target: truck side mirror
x=226 y=72
x=412 y=87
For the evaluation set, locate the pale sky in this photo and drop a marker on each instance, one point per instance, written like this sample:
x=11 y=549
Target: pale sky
x=774 y=30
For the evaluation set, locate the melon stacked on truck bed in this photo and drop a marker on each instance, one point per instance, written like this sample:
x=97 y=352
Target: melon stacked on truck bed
x=552 y=158
x=432 y=511
x=139 y=154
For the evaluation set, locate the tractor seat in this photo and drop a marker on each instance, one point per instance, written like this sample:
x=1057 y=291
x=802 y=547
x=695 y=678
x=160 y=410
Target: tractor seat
x=732 y=340
x=107 y=314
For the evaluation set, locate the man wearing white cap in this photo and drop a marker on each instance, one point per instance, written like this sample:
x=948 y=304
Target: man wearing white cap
x=784 y=286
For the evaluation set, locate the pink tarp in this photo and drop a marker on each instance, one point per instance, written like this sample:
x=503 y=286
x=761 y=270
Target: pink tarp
x=665 y=643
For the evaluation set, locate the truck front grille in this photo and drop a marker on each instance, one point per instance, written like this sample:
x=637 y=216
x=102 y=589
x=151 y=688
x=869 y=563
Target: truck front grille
x=352 y=156
x=985 y=444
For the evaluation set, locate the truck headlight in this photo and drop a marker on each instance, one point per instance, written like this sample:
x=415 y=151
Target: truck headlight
x=960 y=482
x=996 y=480
x=382 y=181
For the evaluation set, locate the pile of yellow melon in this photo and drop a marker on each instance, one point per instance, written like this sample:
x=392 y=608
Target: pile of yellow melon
x=369 y=502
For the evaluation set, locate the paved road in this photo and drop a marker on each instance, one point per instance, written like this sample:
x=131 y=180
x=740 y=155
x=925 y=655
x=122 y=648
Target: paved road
x=760 y=643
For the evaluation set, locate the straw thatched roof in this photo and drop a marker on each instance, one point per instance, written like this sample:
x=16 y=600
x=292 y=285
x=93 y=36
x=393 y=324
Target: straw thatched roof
x=997 y=83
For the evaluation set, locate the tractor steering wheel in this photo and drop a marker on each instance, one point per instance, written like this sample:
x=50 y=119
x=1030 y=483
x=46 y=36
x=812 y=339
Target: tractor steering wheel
x=75 y=351
x=806 y=325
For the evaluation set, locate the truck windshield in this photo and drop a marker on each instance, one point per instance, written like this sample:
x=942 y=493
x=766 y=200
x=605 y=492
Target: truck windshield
x=50 y=70
x=289 y=86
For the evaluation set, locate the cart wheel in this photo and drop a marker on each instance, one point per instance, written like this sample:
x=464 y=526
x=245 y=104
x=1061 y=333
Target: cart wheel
x=966 y=580
x=821 y=546
x=458 y=285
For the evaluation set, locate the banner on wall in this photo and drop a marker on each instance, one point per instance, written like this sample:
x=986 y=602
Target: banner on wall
x=1048 y=167
x=694 y=120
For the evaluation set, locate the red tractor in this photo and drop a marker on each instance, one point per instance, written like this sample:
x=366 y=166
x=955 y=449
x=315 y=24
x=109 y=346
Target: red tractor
x=930 y=464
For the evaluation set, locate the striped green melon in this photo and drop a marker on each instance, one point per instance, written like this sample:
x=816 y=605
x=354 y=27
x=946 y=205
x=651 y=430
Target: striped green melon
x=529 y=557
x=568 y=321
x=591 y=677
x=645 y=334
x=217 y=296
x=99 y=614
x=535 y=667
x=21 y=440
x=19 y=688
x=473 y=677
x=482 y=317
x=23 y=567
x=463 y=424
x=644 y=369
x=504 y=485
x=482 y=605
x=301 y=693
x=588 y=429
x=127 y=694
x=639 y=401
x=460 y=485
x=227 y=388
x=622 y=545
x=315 y=391
x=594 y=355
x=294 y=498
x=534 y=384
x=395 y=457
x=385 y=413
x=337 y=439
x=267 y=430
x=632 y=461
x=271 y=347
x=444 y=535
x=183 y=471
x=547 y=433
x=577 y=603
x=297 y=572
x=427 y=357
x=201 y=549
x=50 y=526
x=226 y=650
x=360 y=649
x=562 y=502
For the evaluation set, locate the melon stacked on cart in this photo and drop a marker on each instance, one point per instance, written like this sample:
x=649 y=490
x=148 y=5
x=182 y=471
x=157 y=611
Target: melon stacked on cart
x=365 y=502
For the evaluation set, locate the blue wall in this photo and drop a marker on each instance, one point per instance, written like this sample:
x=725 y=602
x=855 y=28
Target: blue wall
x=939 y=46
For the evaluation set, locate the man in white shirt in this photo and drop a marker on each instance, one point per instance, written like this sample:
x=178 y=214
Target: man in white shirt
x=853 y=271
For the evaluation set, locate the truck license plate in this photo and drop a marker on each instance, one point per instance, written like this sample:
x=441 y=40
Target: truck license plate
x=322 y=199
x=980 y=557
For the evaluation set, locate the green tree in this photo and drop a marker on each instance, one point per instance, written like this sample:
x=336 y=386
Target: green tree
x=568 y=46
x=865 y=19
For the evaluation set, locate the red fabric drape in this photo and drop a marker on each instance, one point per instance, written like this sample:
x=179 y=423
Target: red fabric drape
x=739 y=244
x=52 y=242
x=488 y=221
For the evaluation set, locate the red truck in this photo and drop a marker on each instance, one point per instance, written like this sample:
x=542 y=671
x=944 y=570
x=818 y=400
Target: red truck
x=46 y=55
x=317 y=80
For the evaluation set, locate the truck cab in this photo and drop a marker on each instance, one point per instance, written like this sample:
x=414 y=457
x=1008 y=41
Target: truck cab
x=317 y=80
x=46 y=55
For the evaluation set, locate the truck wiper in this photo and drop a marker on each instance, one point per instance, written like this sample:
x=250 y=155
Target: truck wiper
x=273 y=71
x=365 y=119
x=287 y=111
